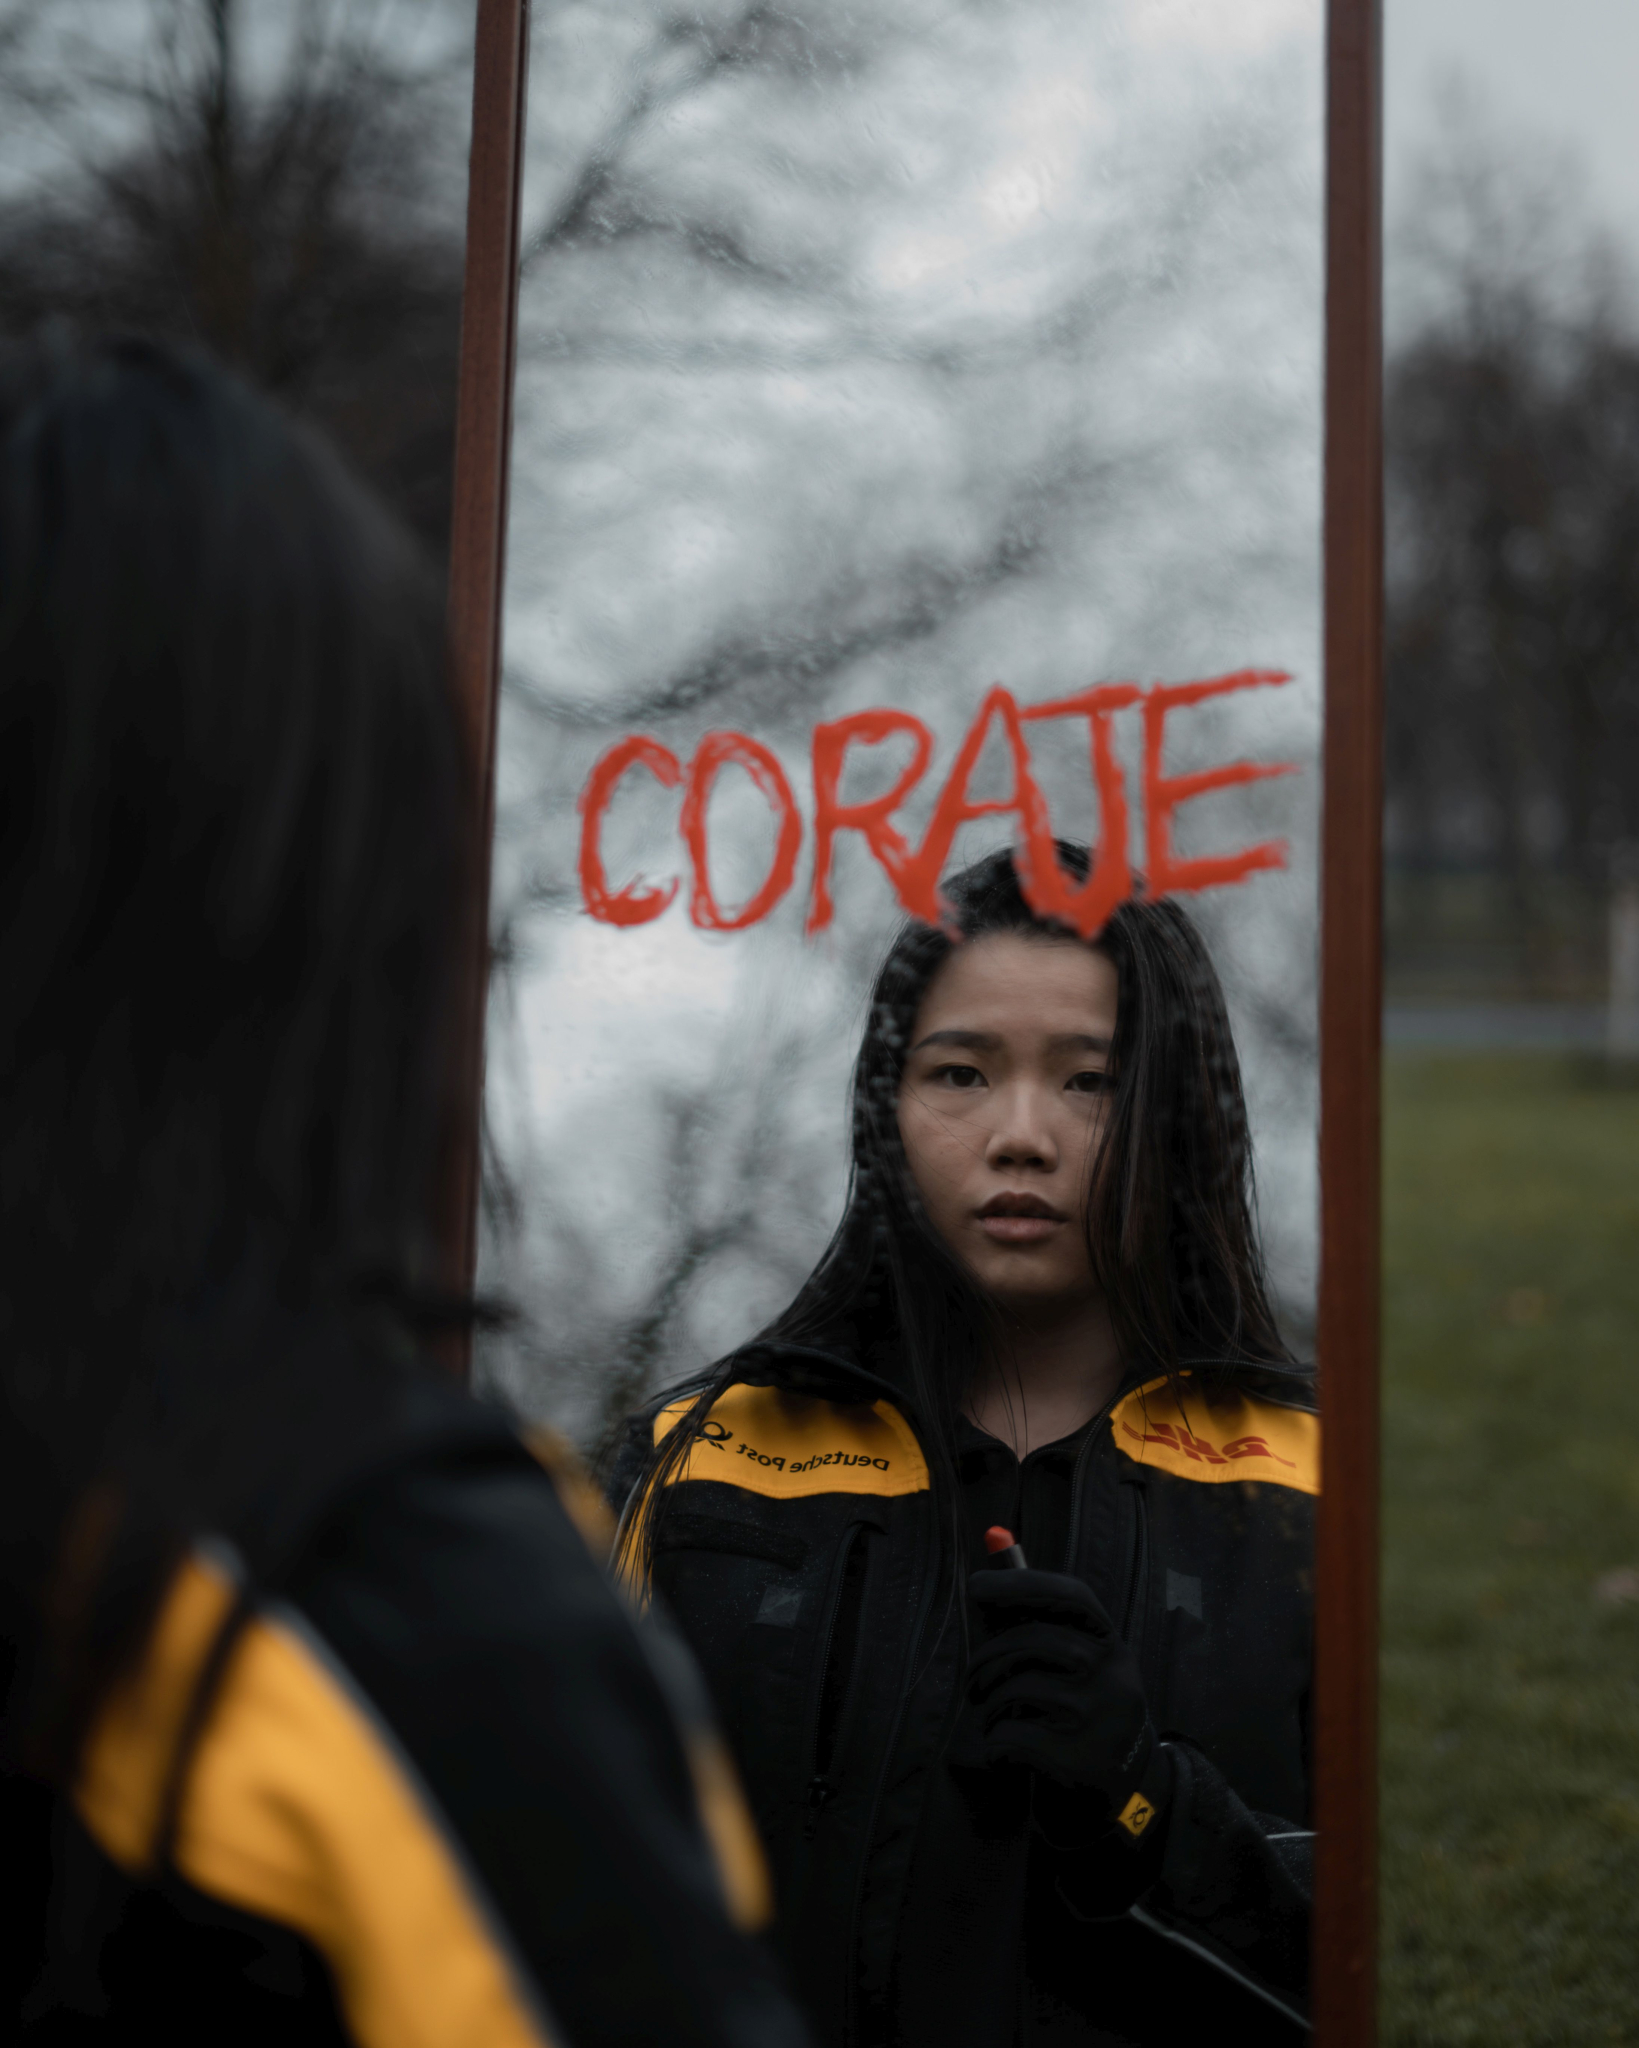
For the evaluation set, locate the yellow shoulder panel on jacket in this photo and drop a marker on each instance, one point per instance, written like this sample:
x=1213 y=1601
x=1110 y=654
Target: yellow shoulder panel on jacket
x=1239 y=1438
x=791 y=1445
x=297 y=1810
x=127 y=1763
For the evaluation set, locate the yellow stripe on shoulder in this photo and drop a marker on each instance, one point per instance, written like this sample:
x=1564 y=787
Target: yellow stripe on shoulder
x=126 y=1768
x=788 y=1446
x=1239 y=1438
x=296 y=1810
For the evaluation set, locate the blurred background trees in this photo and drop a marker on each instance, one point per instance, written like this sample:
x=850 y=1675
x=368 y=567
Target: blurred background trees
x=283 y=181
x=1513 y=623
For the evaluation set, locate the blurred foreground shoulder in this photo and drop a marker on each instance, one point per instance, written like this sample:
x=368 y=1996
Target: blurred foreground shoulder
x=441 y=1780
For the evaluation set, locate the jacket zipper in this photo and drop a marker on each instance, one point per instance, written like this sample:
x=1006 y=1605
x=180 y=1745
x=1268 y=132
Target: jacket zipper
x=820 y=1786
x=1133 y=1614
x=924 y=1607
x=914 y=1642
x=1132 y=1622
x=1077 y=1494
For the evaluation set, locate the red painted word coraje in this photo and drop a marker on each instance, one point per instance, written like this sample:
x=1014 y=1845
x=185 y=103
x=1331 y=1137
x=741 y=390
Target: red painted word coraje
x=914 y=871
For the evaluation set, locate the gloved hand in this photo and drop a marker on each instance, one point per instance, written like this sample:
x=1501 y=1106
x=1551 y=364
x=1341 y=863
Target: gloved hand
x=1057 y=1691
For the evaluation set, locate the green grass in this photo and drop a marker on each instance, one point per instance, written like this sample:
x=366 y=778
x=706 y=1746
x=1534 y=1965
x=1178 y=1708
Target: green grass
x=1511 y=1466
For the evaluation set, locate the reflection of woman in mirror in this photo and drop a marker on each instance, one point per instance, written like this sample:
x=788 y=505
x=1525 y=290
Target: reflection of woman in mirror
x=1065 y=1802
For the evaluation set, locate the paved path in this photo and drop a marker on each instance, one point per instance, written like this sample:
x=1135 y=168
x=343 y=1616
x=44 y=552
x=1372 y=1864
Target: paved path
x=1487 y=1027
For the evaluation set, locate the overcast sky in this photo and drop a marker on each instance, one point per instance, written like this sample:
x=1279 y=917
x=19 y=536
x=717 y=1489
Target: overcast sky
x=1567 y=70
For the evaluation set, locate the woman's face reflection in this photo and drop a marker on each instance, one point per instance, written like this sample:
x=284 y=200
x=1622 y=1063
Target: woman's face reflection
x=1003 y=1100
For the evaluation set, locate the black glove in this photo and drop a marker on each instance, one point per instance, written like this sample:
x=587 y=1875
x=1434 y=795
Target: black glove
x=1058 y=1692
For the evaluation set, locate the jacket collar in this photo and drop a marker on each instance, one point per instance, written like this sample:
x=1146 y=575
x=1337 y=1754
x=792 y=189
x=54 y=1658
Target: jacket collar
x=830 y=1375
x=835 y=1373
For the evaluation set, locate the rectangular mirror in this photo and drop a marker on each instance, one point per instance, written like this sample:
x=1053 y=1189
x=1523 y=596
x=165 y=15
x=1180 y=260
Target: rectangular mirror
x=917 y=453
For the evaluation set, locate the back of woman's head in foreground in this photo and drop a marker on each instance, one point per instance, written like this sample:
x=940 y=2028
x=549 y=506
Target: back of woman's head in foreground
x=233 y=855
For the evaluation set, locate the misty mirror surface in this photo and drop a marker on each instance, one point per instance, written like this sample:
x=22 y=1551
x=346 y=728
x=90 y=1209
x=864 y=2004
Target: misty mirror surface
x=902 y=361
x=1511 y=1520
x=870 y=358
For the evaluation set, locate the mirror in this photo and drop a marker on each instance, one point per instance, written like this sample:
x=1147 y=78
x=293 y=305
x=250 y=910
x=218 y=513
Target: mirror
x=888 y=382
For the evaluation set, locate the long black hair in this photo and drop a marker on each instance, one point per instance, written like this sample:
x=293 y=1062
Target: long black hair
x=235 y=850
x=1170 y=1224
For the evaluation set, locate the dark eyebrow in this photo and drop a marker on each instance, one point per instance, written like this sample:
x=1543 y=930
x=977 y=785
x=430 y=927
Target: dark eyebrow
x=1080 y=1041
x=987 y=1041
x=970 y=1041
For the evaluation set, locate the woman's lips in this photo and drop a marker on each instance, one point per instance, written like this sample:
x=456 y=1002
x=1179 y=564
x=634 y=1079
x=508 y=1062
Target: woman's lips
x=1018 y=1219
x=1019 y=1229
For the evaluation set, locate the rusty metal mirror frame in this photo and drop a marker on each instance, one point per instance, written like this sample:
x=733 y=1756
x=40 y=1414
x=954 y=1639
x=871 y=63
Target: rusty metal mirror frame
x=1346 y=1560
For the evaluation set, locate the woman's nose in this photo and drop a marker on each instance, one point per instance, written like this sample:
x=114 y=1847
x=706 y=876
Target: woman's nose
x=1023 y=1134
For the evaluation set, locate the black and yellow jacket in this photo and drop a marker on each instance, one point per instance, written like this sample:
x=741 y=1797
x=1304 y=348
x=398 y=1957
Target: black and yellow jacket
x=798 y=1550
x=434 y=1790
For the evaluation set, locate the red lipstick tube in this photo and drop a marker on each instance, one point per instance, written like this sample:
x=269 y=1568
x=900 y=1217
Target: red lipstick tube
x=999 y=1542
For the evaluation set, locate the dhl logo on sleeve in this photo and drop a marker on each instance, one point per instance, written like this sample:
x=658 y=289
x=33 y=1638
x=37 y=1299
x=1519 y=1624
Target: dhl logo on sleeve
x=790 y=1445
x=1240 y=1439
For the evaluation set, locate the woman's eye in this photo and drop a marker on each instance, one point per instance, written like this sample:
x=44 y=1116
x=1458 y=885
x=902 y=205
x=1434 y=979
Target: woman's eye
x=959 y=1077
x=1091 y=1082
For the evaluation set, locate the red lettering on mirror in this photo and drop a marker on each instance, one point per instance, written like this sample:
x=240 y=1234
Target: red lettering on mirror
x=634 y=904
x=1048 y=889
x=1166 y=876
x=888 y=846
x=919 y=884
x=1086 y=906
x=714 y=753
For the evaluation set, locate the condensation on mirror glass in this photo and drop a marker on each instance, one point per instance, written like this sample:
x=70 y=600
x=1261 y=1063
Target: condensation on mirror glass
x=872 y=358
